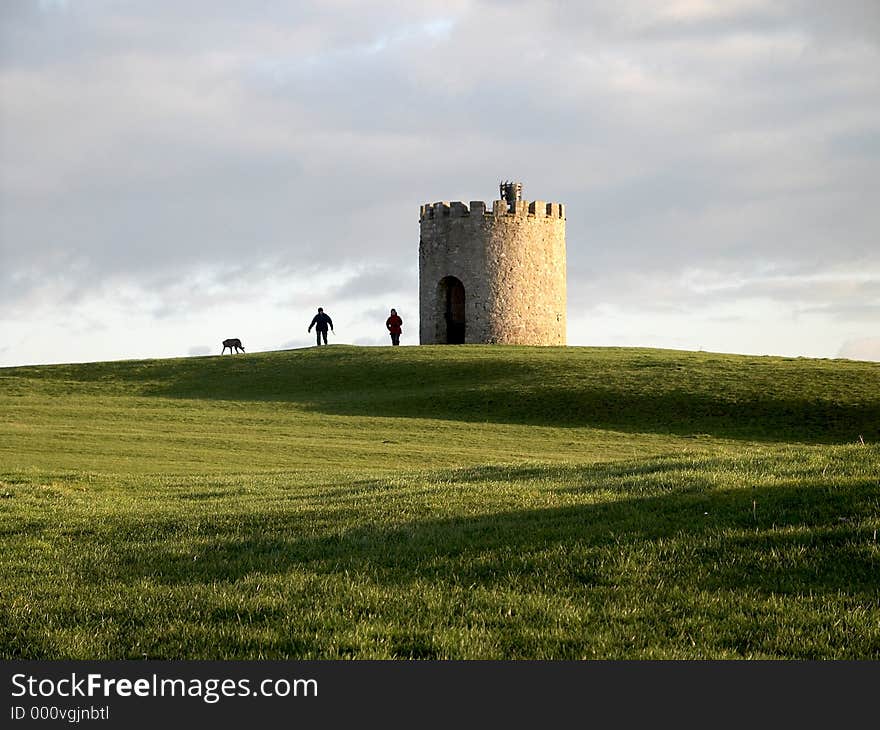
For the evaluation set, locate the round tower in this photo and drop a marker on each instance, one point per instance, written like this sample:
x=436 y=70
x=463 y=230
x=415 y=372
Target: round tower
x=492 y=276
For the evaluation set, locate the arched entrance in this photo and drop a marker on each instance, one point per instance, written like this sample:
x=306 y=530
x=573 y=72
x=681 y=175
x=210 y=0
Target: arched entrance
x=450 y=301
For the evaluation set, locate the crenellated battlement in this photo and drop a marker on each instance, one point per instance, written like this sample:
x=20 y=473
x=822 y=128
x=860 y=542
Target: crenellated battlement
x=492 y=273
x=523 y=208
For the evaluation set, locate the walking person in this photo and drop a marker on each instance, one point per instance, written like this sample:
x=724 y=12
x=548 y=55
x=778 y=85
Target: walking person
x=320 y=322
x=393 y=323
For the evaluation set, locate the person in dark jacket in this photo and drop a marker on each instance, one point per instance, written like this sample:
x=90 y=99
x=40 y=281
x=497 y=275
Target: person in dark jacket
x=393 y=324
x=320 y=322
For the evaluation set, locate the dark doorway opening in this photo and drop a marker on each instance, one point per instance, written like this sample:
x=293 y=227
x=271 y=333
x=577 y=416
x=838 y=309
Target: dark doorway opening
x=451 y=298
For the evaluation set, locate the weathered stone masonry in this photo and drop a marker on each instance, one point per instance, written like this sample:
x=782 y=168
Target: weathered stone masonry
x=492 y=276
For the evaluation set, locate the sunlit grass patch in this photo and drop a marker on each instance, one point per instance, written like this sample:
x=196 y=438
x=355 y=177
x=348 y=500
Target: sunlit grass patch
x=441 y=503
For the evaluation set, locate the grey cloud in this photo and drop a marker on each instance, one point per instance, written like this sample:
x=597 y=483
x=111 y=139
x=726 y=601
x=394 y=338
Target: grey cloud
x=297 y=343
x=371 y=341
x=867 y=348
x=45 y=32
x=296 y=139
x=845 y=296
x=850 y=312
x=409 y=314
x=376 y=281
x=846 y=292
x=622 y=19
x=864 y=143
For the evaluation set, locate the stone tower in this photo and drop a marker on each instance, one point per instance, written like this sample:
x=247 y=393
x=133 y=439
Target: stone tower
x=492 y=276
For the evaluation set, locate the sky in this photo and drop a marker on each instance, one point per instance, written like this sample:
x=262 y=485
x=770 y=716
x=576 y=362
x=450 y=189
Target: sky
x=176 y=173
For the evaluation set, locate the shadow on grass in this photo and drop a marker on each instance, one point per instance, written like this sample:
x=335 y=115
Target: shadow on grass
x=794 y=539
x=642 y=396
x=663 y=521
x=677 y=393
x=676 y=413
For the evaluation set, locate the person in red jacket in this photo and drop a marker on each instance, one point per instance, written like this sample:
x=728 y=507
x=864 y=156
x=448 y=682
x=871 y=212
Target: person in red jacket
x=393 y=324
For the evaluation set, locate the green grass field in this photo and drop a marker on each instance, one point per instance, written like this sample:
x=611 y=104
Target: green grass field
x=468 y=502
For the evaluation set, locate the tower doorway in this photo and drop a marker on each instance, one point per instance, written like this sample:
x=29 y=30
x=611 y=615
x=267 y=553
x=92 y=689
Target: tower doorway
x=451 y=300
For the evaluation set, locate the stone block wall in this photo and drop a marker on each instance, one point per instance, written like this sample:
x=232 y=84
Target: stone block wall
x=510 y=261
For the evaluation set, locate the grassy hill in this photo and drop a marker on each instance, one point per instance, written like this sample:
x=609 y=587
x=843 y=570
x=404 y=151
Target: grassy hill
x=441 y=502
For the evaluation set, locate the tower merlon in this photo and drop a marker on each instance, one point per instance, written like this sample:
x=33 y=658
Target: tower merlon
x=519 y=207
x=457 y=209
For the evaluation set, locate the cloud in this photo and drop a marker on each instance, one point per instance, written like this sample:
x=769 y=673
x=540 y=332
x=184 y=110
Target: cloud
x=862 y=349
x=375 y=281
x=371 y=341
x=176 y=161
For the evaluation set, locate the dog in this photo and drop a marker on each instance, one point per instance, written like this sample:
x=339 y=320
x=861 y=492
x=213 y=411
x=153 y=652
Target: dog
x=234 y=346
